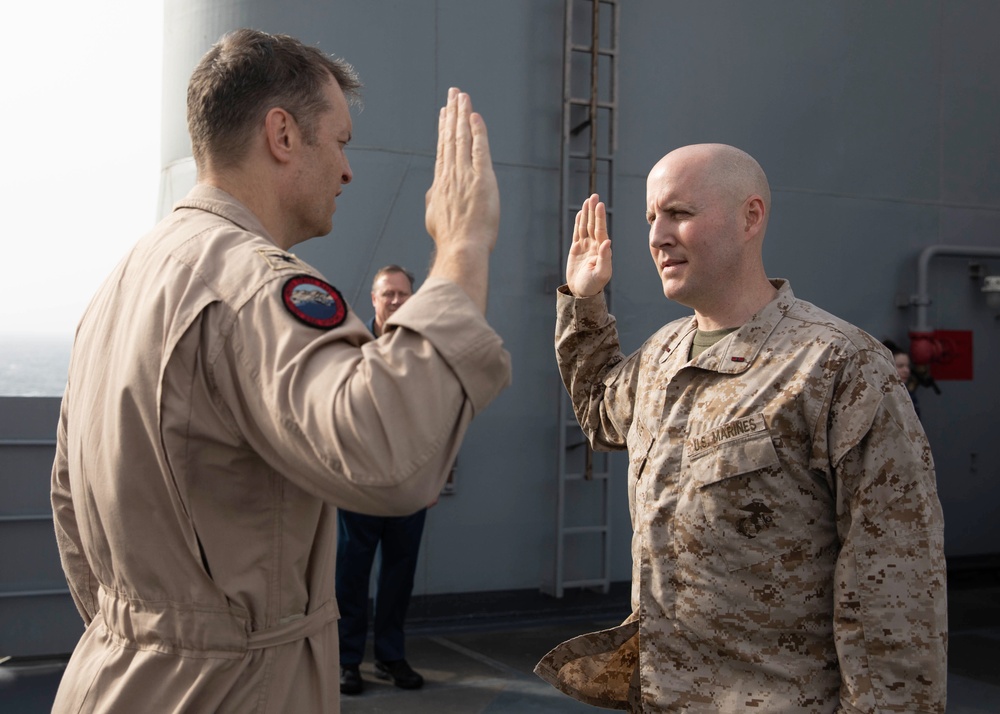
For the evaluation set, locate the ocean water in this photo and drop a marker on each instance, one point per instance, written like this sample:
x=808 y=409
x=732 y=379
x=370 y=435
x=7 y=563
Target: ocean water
x=33 y=365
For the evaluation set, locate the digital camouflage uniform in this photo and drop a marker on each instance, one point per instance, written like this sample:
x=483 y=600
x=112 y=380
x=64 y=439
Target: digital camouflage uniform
x=788 y=539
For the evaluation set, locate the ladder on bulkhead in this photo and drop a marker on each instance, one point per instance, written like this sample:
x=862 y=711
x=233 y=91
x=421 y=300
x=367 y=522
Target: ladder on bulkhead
x=589 y=133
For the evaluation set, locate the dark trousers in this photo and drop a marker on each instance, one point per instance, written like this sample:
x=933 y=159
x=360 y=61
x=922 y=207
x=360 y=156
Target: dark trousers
x=358 y=537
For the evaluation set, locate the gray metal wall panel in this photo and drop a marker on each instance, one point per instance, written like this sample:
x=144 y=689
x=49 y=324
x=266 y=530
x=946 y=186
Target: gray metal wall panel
x=848 y=248
x=37 y=614
x=832 y=97
x=961 y=422
x=970 y=103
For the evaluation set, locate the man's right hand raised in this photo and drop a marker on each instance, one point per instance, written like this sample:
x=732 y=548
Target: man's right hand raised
x=463 y=204
x=588 y=267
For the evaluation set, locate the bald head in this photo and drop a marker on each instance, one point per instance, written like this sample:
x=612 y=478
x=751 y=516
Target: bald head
x=707 y=207
x=719 y=170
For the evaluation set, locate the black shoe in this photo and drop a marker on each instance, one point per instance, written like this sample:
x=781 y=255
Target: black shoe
x=401 y=674
x=350 y=679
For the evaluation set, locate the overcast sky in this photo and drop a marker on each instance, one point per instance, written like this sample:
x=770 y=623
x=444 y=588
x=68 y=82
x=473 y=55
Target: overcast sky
x=80 y=121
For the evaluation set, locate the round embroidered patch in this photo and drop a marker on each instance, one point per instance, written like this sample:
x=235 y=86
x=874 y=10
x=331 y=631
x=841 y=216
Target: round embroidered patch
x=314 y=302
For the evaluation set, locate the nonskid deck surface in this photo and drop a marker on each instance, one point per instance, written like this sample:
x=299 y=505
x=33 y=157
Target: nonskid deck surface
x=483 y=663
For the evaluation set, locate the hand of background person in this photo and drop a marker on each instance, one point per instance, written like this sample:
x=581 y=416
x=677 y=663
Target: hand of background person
x=588 y=267
x=462 y=206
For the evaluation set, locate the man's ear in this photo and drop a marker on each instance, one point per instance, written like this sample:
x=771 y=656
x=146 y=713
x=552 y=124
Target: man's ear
x=754 y=213
x=282 y=133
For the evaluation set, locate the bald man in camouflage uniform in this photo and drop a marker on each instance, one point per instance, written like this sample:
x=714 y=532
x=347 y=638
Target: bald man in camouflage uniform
x=788 y=538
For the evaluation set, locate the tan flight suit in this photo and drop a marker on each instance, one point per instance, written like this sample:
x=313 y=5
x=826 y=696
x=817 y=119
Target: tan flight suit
x=788 y=539
x=206 y=436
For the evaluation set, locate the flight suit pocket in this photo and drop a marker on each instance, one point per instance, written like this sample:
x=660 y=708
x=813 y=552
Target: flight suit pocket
x=738 y=489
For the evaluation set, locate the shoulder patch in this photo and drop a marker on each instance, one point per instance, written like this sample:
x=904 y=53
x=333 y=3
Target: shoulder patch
x=278 y=259
x=314 y=302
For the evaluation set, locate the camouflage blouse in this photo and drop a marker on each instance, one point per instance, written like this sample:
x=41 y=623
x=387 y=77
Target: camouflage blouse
x=787 y=535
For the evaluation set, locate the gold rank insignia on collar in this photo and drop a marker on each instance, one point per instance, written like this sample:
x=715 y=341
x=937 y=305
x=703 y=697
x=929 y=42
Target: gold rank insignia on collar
x=278 y=259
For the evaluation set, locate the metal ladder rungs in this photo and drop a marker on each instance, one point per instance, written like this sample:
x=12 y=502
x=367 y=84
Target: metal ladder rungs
x=585 y=49
x=586 y=114
x=581 y=102
x=595 y=476
x=584 y=530
x=586 y=583
x=599 y=157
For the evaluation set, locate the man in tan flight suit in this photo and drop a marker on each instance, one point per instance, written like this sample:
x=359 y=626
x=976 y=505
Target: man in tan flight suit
x=787 y=536
x=223 y=400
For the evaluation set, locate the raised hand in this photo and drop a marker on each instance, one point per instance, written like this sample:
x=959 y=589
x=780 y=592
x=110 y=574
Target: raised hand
x=463 y=203
x=462 y=211
x=588 y=267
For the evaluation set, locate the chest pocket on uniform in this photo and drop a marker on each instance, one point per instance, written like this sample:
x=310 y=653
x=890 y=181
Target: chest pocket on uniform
x=738 y=490
x=639 y=441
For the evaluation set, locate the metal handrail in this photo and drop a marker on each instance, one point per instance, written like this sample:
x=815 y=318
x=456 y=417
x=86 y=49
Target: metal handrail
x=21 y=517
x=50 y=592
